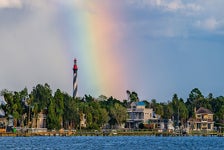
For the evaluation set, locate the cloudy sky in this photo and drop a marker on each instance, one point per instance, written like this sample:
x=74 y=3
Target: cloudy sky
x=154 y=47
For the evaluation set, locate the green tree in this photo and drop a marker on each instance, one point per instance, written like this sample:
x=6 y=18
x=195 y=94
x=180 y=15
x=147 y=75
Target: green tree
x=176 y=108
x=52 y=120
x=159 y=109
x=104 y=117
x=168 y=111
x=35 y=111
x=128 y=95
x=14 y=106
x=183 y=111
x=147 y=104
x=217 y=108
x=220 y=114
x=193 y=101
x=132 y=96
x=119 y=113
x=42 y=94
x=71 y=116
x=59 y=106
x=180 y=112
x=56 y=111
x=153 y=104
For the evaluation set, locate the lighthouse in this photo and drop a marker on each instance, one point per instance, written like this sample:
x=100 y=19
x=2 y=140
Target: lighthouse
x=75 y=84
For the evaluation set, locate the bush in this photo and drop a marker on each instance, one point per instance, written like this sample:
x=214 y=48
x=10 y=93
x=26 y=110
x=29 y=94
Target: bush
x=141 y=126
x=93 y=126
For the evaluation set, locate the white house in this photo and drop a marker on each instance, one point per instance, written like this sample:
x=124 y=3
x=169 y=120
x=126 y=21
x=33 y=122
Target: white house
x=138 y=114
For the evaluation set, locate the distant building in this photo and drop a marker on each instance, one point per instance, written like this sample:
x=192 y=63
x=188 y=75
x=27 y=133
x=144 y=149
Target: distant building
x=83 y=120
x=2 y=113
x=139 y=114
x=40 y=121
x=170 y=127
x=3 y=102
x=3 y=121
x=203 y=120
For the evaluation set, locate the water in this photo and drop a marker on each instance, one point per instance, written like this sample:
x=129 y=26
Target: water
x=114 y=142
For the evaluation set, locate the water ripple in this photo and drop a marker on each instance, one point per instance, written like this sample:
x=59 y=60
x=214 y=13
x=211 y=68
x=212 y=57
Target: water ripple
x=112 y=143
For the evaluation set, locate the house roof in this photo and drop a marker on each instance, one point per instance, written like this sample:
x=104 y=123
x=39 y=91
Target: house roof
x=2 y=102
x=203 y=110
x=141 y=104
x=191 y=119
x=2 y=113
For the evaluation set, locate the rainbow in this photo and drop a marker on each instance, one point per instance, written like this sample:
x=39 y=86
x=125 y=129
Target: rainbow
x=91 y=33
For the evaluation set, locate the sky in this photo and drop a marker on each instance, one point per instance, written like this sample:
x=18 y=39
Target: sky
x=153 y=47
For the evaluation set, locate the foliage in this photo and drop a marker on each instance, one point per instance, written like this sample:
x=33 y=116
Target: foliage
x=63 y=111
x=132 y=96
x=119 y=113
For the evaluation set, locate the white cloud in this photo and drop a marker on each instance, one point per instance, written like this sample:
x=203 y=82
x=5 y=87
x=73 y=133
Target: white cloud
x=168 y=5
x=211 y=24
x=173 y=5
x=208 y=24
x=180 y=17
x=40 y=4
x=193 y=6
x=10 y=3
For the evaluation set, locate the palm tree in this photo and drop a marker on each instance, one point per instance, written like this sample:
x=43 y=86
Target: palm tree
x=128 y=94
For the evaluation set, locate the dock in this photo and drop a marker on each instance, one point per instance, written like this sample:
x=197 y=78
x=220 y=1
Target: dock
x=114 y=133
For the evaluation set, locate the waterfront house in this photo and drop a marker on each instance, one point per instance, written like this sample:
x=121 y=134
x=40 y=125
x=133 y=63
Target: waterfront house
x=203 y=120
x=139 y=114
x=3 y=121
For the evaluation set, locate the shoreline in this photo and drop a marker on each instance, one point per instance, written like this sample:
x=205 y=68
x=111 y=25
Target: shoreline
x=133 y=133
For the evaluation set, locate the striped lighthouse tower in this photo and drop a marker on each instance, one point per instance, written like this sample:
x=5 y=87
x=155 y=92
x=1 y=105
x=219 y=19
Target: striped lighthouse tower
x=75 y=84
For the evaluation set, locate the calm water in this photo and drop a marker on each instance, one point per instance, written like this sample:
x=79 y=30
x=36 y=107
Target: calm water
x=120 y=142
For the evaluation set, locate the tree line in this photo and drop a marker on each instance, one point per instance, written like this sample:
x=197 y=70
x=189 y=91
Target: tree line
x=64 y=111
x=181 y=110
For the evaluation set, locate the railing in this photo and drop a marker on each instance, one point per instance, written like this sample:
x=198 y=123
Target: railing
x=135 y=110
x=135 y=119
x=204 y=120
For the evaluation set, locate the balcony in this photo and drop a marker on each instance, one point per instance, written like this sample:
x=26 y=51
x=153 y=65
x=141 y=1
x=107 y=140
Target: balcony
x=135 y=120
x=135 y=110
x=204 y=120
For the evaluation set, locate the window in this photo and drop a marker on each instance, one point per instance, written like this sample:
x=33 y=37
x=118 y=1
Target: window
x=209 y=126
x=198 y=116
x=198 y=126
